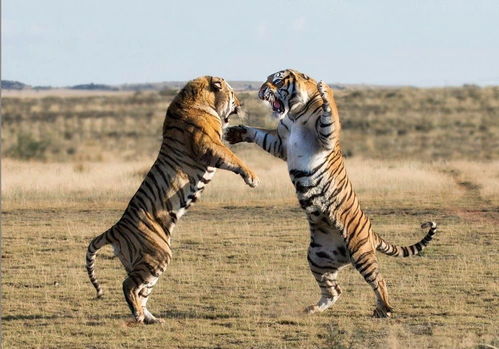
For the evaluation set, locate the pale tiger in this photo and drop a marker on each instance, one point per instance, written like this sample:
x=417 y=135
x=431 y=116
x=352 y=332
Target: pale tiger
x=307 y=137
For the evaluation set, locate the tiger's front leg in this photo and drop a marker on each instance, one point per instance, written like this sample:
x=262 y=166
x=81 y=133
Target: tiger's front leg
x=219 y=156
x=326 y=125
x=268 y=140
x=213 y=153
x=237 y=134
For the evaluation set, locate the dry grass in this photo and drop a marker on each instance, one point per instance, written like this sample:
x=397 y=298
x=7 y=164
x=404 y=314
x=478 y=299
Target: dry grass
x=428 y=124
x=39 y=184
x=484 y=175
x=239 y=276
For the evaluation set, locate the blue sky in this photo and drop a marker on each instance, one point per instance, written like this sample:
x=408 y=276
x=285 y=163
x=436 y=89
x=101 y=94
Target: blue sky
x=421 y=43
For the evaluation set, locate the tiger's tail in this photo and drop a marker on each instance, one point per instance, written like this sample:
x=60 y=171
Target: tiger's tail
x=95 y=245
x=406 y=251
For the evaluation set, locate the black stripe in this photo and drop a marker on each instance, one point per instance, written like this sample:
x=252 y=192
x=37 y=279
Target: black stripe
x=169 y=127
x=322 y=254
x=283 y=124
x=264 y=146
x=316 y=265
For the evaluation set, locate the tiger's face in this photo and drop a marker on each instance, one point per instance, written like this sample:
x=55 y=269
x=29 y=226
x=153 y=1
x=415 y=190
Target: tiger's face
x=225 y=101
x=211 y=95
x=287 y=91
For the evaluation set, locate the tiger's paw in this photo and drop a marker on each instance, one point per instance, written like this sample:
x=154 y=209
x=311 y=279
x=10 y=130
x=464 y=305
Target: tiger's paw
x=132 y=323
x=312 y=309
x=323 y=304
x=153 y=320
x=251 y=179
x=322 y=87
x=150 y=319
x=315 y=308
x=382 y=312
x=235 y=134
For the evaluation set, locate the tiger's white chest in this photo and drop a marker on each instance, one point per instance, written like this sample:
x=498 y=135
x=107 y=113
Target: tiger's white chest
x=303 y=149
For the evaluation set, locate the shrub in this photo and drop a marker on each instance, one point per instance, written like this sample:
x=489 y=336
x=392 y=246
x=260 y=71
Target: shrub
x=168 y=92
x=27 y=147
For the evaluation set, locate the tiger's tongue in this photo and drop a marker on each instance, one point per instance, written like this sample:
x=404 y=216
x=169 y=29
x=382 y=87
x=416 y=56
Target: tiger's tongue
x=276 y=105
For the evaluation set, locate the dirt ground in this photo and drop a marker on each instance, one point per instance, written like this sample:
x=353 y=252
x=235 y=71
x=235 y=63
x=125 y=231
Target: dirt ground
x=239 y=276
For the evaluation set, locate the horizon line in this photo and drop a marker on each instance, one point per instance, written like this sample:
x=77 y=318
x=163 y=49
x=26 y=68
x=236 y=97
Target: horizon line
x=27 y=86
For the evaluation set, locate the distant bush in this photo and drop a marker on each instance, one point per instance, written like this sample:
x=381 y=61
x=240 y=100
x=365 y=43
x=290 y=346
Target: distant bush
x=376 y=122
x=13 y=85
x=27 y=147
x=93 y=86
x=168 y=92
x=141 y=97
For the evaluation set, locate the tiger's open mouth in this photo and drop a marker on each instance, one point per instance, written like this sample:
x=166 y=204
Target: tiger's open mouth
x=274 y=101
x=235 y=111
x=277 y=106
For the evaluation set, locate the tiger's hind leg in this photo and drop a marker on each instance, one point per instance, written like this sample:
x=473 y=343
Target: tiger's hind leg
x=326 y=256
x=137 y=288
x=144 y=296
x=367 y=265
x=131 y=288
x=330 y=291
x=383 y=307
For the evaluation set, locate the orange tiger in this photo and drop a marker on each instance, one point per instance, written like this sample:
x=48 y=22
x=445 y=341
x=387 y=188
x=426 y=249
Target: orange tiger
x=191 y=151
x=307 y=137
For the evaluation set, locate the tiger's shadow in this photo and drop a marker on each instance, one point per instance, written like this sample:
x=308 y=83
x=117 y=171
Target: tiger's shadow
x=191 y=314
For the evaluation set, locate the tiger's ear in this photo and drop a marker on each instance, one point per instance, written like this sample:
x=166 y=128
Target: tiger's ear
x=216 y=83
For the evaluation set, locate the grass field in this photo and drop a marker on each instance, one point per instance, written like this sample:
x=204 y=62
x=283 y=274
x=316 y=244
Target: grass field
x=422 y=124
x=239 y=276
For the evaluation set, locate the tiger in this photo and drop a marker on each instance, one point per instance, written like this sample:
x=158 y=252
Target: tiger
x=308 y=139
x=191 y=151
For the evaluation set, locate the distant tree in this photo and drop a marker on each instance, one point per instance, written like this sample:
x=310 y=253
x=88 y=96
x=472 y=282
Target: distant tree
x=168 y=92
x=13 y=85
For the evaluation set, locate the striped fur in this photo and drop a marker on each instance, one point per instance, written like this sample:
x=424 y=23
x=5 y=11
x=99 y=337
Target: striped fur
x=190 y=153
x=307 y=137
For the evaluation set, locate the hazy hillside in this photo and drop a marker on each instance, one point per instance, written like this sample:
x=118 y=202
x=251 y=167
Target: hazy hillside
x=147 y=86
x=13 y=85
x=439 y=123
